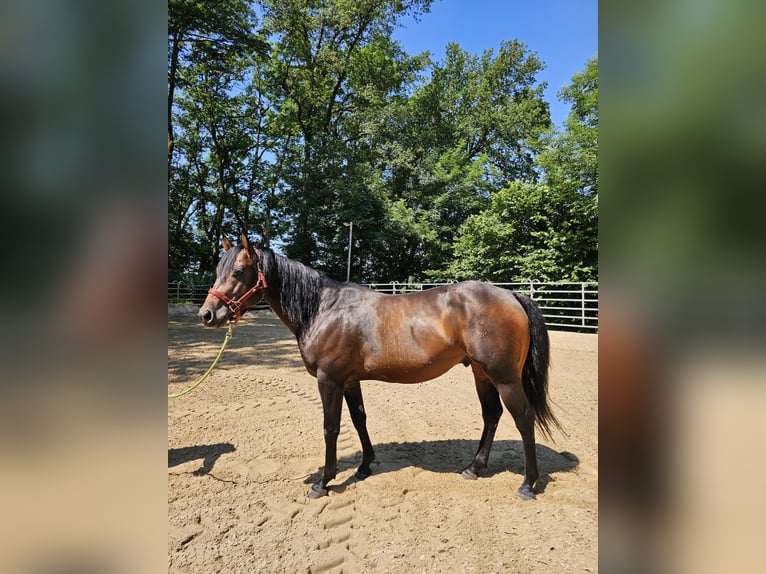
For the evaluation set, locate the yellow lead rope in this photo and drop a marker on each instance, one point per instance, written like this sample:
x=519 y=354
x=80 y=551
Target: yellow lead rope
x=201 y=380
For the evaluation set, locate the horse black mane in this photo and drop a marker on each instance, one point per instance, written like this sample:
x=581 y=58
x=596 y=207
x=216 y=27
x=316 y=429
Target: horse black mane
x=299 y=288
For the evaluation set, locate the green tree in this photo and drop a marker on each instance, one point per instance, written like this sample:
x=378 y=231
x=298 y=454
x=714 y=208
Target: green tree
x=211 y=127
x=205 y=31
x=513 y=240
x=320 y=118
x=334 y=64
x=474 y=126
x=546 y=230
x=570 y=165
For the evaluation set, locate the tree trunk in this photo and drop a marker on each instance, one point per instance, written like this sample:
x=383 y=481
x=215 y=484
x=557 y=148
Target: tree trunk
x=175 y=50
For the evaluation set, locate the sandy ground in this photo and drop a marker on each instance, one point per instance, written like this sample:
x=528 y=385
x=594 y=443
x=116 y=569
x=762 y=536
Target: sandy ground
x=244 y=447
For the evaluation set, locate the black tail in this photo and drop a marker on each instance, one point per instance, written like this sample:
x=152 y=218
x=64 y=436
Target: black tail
x=535 y=374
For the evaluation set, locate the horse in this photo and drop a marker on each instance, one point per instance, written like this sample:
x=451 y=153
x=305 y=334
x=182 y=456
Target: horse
x=347 y=333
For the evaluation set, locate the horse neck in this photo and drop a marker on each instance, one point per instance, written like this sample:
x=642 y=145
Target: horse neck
x=273 y=299
x=294 y=293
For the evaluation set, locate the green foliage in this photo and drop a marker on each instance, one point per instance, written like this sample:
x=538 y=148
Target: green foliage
x=543 y=231
x=215 y=127
x=472 y=128
x=448 y=169
x=523 y=236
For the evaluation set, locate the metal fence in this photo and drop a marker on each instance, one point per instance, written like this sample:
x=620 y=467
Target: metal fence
x=565 y=305
x=183 y=292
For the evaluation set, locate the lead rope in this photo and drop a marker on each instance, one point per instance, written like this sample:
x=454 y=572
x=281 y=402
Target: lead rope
x=203 y=377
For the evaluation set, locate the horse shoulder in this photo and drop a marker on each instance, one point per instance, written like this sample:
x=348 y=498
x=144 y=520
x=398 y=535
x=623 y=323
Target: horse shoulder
x=344 y=322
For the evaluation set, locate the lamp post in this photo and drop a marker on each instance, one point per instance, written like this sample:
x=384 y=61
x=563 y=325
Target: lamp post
x=350 y=226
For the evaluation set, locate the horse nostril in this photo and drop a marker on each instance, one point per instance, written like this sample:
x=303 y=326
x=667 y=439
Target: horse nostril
x=207 y=317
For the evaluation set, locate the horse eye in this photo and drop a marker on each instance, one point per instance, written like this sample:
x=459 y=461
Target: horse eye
x=238 y=272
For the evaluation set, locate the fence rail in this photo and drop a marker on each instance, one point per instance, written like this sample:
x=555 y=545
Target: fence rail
x=565 y=305
x=183 y=292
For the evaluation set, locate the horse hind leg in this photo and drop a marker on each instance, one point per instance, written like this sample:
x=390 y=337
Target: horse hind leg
x=491 y=411
x=355 y=403
x=516 y=402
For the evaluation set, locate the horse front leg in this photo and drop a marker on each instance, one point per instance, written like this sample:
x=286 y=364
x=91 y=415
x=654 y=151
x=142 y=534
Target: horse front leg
x=331 y=394
x=353 y=394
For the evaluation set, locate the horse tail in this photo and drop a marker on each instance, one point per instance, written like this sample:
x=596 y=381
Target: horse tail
x=535 y=372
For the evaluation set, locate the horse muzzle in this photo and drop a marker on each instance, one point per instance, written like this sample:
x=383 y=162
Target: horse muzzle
x=214 y=315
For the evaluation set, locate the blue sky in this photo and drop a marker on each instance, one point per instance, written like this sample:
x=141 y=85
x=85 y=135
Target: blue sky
x=563 y=34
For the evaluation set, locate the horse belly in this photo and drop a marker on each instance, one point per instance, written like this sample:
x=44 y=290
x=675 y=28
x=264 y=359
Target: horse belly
x=416 y=338
x=411 y=369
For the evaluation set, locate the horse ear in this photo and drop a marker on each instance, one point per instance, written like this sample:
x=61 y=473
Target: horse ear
x=226 y=244
x=245 y=242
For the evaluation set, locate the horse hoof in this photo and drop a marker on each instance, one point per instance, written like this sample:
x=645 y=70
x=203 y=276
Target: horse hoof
x=317 y=491
x=362 y=474
x=525 y=493
x=468 y=474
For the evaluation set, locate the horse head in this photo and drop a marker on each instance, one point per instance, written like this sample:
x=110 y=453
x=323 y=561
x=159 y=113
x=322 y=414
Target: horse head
x=238 y=277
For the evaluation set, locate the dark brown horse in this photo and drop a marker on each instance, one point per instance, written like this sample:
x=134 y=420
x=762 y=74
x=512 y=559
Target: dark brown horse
x=347 y=333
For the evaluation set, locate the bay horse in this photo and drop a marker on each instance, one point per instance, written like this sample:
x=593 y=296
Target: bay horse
x=347 y=333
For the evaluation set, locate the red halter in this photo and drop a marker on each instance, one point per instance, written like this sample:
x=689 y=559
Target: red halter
x=235 y=305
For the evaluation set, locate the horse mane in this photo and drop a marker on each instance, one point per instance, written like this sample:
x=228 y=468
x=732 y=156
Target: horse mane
x=299 y=288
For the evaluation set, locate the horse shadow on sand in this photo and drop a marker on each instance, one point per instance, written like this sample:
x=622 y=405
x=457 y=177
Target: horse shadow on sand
x=209 y=453
x=452 y=456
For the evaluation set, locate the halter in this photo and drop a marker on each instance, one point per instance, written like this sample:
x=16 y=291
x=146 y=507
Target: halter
x=235 y=305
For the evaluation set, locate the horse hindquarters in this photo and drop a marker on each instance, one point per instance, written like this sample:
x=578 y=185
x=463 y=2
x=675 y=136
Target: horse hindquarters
x=512 y=348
